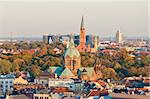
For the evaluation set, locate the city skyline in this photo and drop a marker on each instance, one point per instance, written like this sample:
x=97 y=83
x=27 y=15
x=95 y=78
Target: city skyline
x=103 y=18
x=67 y=49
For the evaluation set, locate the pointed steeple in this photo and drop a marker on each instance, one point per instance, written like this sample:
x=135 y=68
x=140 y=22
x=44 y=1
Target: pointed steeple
x=71 y=45
x=82 y=22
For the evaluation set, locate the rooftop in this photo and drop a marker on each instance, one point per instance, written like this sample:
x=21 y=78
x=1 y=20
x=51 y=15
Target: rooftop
x=8 y=76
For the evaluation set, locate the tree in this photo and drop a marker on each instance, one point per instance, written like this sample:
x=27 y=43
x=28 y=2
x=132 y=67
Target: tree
x=120 y=56
x=128 y=61
x=57 y=61
x=23 y=45
x=132 y=71
x=108 y=73
x=124 y=71
x=42 y=51
x=5 y=66
x=117 y=66
x=87 y=59
x=145 y=60
x=35 y=70
x=15 y=66
x=27 y=58
x=142 y=71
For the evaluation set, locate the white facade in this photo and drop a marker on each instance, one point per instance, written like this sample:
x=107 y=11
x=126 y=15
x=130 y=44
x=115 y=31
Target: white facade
x=42 y=96
x=119 y=37
x=41 y=81
x=68 y=95
x=6 y=83
x=53 y=82
x=70 y=83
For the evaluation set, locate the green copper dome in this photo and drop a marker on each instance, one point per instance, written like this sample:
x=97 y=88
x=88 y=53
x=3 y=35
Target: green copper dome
x=71 y=50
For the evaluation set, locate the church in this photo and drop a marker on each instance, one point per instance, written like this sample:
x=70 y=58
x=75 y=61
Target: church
x=72 y=66
x=83 y=46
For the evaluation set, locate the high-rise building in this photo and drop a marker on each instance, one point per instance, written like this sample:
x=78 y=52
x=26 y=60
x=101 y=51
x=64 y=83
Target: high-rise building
x=119 y=37
x=76 y=39
x=46 y=38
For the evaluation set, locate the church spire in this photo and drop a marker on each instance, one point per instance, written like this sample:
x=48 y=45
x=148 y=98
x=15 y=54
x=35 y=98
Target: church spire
x=82 y=22
x=71 y=41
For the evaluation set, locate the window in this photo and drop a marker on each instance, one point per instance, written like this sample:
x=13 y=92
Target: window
x=6 y=86
x=46 y=97
x=6 y=82
x=41 y=97
x=70 y=63
x=36 y=97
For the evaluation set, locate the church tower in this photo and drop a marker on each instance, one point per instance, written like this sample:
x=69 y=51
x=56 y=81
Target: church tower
x=82 y=44
x=72 y=57
x=82 y=33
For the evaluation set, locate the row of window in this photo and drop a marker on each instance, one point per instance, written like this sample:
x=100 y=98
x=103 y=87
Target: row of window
x=51 y=82
x=6 y=86
x=36 y=97
x=6 y=82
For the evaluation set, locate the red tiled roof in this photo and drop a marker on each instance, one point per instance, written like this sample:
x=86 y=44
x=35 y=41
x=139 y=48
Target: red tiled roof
x=144 y=53
x=18 y=97
x=61 y=90
x=30 y=51
x=102 y=83
x=46 y=74
x=94 y=93
x=106 y=51
x=147 y=81
x=144 y=89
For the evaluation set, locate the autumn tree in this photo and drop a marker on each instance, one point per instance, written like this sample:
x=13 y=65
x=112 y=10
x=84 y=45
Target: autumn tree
x=15 y=67
x=108 y=73
x=35 y=70
x=5 y=66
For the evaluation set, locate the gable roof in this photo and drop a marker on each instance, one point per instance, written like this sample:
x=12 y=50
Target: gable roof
x=53 y=68
x=57 y=70
x=67 y=73
x=89 y=70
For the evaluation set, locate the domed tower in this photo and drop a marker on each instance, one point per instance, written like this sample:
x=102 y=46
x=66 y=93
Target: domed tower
x=72 y=57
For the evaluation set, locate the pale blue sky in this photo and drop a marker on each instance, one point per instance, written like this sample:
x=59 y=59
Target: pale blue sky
x=35 y=18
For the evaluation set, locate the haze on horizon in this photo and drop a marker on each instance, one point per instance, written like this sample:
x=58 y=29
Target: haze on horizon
x=104 y=18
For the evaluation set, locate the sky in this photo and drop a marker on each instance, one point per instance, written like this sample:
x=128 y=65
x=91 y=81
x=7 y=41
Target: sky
x=35 y=18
